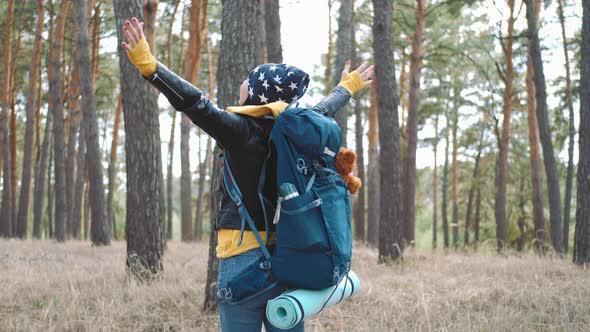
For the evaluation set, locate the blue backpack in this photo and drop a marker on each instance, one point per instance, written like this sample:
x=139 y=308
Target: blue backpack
x=313 y=235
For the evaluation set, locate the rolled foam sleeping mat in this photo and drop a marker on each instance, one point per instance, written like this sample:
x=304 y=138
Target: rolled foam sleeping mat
x=293 y=306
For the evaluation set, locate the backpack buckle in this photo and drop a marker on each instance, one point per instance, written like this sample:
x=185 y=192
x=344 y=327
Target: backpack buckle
x=265 y=265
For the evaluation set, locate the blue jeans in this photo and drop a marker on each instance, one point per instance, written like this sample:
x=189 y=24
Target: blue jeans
x=249 y=314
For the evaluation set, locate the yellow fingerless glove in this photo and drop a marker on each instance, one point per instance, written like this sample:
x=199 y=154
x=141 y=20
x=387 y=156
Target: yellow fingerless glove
x=142 y=58
x=353 y=82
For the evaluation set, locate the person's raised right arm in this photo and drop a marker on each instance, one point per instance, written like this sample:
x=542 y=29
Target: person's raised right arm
x=226 y=128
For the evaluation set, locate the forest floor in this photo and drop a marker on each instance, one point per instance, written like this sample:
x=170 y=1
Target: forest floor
x=47 y=286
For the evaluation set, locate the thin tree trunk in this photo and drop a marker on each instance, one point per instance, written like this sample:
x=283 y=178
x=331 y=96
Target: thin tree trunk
x=74 y=120
x=86 y=206
x=445 y=187
x=6 y=207
x=359 y=209
x=272 y=29
x=544 y=130
x=328 y=74
x=435 y=186
x=191 y=70
x=28 y=148
x=402 y=91
x=501 y=181
x=100 y=228
x=169 y=177
x=409 y=178
x=454 y=168
x=582 y=232
x=521 y=217
x=50 y=194
x=571 y=134
x=474 y=185
x=56 y=106
x=39 y=196
x=390 y=223
x=342 y=54
x=373 y=172
x=81 y=175
x=202 y=175
x=113 y=167
x=144 y=168
x=477 y=218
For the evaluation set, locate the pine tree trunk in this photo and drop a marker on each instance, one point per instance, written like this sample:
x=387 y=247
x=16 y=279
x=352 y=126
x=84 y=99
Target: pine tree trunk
x=50 y=194
x=501 y=181
x=477 y=218
x=191 y=70
x=39 y=194
x=73 y=122
x=199 y=212
x=113 y=167
x=390 y=223
x=56 y=106
x=359 y=209
x=582 y=232
x=328 y=74
x=140 y=111
x=474 y=184
x=454 y=168
x=544 y=130
x=571 y=134
x=342 y=54
x=409 y=185
x=445 y=188
x=272 y=29
x=100 y=228
x=6 y=207
x=28 y=148
x=435 y=186
x=373 y=172
x=81 y=175
x=238 y=30
x=521 y=217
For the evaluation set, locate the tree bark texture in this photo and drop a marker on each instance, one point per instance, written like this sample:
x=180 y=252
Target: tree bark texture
x=454 y=167
x=113 y=168
x=544 y=130
x=501 y=181
x=445 y=187
x=272 y=21
x=582 y=233
x=79 y=184
x=571 y=133
x=28 y=148
x=6 y=207
x=409 y=185
x=100 y=229
x=390 y=223
x=140 y=112
x=474 y=185
x=373 y=198
x=56 y=106
x=342 y=54
x=435 y=186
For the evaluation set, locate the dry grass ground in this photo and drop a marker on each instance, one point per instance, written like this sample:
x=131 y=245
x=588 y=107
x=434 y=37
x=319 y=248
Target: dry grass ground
x=45 y=286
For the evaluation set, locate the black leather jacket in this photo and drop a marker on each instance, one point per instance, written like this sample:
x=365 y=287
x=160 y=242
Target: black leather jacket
x=244 y=139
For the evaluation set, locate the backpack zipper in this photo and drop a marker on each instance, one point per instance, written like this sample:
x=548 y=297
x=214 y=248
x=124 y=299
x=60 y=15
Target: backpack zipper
x=156 y=76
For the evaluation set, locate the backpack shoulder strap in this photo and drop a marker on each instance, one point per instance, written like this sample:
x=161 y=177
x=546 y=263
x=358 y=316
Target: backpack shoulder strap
x=234 y=193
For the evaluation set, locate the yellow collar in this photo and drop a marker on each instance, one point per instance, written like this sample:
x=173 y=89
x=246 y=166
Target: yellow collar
x=257 y=111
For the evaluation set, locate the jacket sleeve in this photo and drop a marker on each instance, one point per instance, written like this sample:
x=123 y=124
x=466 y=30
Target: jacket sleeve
x=225 y=127
x=332 y=103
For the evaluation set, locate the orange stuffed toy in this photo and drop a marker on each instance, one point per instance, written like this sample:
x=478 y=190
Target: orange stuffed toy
x=345 y=162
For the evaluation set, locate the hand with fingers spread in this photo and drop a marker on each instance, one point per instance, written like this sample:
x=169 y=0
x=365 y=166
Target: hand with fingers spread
x=138 y=50
x=358 y=79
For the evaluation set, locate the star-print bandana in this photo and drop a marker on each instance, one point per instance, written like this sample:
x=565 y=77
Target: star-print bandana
x=272 y=82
